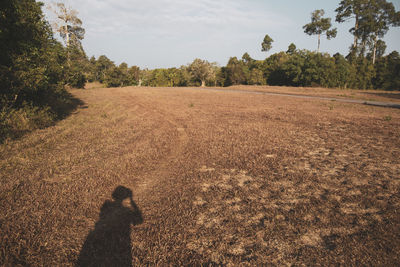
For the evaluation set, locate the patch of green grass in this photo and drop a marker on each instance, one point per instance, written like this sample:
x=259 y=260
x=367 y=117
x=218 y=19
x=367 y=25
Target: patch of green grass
x=191 y=105
x=387 y=118
x=344 y=95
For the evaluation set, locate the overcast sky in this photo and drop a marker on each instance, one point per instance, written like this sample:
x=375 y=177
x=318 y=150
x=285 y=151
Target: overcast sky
x=170 y=33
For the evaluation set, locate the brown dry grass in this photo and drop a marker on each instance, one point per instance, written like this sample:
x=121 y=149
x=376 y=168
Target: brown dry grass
x=219 y=177
x=366 y=95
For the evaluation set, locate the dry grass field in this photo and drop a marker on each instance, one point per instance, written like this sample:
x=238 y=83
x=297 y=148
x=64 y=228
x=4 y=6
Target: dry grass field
x=366 y=95
x=160 y=176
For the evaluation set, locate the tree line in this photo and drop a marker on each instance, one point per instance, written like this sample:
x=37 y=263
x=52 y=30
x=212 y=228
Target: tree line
x=290 y=68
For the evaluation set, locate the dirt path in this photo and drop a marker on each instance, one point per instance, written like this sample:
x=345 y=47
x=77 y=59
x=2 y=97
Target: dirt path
x=219 y=177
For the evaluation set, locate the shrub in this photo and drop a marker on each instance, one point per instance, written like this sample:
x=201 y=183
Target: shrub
x=16 y=122
x=77 y=79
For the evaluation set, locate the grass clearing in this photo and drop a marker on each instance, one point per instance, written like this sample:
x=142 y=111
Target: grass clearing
x=234 y=179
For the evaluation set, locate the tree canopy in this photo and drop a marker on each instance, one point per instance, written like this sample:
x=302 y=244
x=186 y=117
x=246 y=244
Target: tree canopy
x=201 y=70
x=266 y=45
x=373 y=18
x=68 y=25
x=320 y=26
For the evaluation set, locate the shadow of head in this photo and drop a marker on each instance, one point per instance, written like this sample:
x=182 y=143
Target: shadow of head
x=121 y=192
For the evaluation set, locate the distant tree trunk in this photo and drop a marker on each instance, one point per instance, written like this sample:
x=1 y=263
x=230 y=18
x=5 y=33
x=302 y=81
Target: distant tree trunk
x=66 y=34
x=355 y=33
x=67 y=41
x=363 y=45
x=203 y=83
x=374 y=51
x=319 y=41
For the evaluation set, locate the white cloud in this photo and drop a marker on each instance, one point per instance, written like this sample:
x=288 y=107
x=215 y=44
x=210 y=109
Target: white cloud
x=172 y=16
x=172 y=32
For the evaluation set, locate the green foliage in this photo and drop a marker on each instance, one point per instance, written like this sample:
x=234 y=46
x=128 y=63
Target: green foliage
x=133 y=75
x=318 y=70
x=114 y=77
x=202 y=71
x=236 y=71
x=159 y=77
x=256 y=77
x=76 y=78
x=68 y=25
x=266 y=45
x=246 y=58
x=104 y=71
x=388 y=72
x=291 y=68
x=302 y=68
x=387 y=118
x=77 y=67
x=274 y=69
x=291 y=49
x=25 y=38
x=222 y=77
x=373 y=18
x=101 y=66
x=365 y=73
x=306 y=68
x=344 y=72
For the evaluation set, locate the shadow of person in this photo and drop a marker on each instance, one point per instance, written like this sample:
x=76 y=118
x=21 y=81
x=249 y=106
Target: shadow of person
x=109 y=244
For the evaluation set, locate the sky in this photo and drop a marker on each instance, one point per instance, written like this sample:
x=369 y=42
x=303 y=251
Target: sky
x=170 y=33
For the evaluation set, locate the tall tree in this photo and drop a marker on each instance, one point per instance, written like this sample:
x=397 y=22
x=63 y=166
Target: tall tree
x=68 y=25
x=373 y=18
x=377 y=17
x=351 y=9
x=320 y=26
x=266 y=45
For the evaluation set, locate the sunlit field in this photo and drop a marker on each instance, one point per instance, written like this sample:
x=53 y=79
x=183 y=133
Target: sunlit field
x=182 y=176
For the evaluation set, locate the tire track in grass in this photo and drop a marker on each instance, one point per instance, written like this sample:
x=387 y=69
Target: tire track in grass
x=152 y=181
